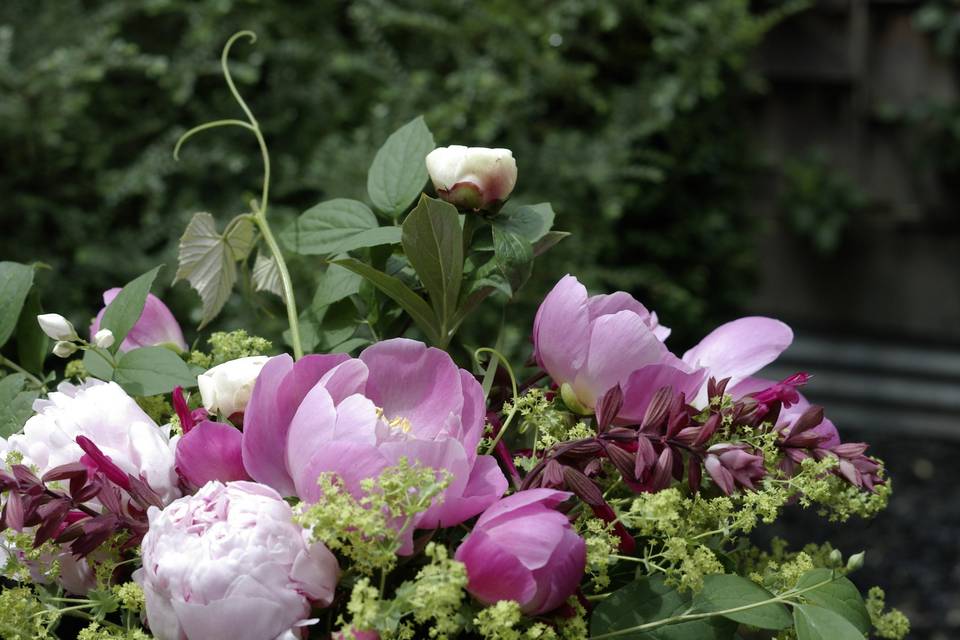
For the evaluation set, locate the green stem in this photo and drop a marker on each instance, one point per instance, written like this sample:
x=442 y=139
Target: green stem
x=784 y=597
x=513 y=384
x=10 y=364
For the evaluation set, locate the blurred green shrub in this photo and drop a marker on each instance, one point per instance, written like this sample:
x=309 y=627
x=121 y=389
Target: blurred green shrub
x=627 y=115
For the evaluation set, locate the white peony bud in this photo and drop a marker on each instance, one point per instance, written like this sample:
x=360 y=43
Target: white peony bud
x=57 y=327
x=64 y=349
x=103 y=338
x=226 y=388
x=472 y=178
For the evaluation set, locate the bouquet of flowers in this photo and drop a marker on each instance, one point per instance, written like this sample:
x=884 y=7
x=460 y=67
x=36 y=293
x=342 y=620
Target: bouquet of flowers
x=420 y=488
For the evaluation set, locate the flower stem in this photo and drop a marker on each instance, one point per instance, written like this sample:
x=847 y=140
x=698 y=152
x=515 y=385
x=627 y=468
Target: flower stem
x=10 y=364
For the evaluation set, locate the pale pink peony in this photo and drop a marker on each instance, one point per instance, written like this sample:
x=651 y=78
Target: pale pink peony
x=156 y=325
x=472 y=178
x=523 y=549
x=229 y=562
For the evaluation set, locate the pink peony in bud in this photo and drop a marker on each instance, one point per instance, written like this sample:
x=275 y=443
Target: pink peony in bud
x=522 y=549
x=472 y=178
x=229 y=562
x=156 y=325
x=590 y=344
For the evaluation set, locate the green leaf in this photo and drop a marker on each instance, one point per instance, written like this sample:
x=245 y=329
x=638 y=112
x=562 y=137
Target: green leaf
x=818 y=623
x=433 y=243
x=647 y=600
x=531 y=221
x=242 y=237
x=266 y=275
x=207 y=263
x=548 y=241
x=349 y=345
x=514 y=257
x=97 y=365
x=122 y=314
x=399 y=170
x=33 y=345
x=722 y=592
x=413 y=304
x=16 y=403
x=337 y=226
x=149 y=371
x=15 y=282
x=335 y=284
x=840 y=596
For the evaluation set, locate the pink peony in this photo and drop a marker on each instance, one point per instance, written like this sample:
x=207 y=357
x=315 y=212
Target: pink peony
x=522 y=549
x=229 y=562
x=156 y=325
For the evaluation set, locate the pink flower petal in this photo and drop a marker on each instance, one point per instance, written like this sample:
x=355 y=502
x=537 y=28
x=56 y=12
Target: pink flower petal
x=740 y=348
x=561 y=330
x=211 y=451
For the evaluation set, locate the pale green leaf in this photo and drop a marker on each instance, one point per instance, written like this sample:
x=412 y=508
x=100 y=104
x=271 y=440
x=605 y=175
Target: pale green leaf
x=839 y=595
x=242 y=237
x=266 y=275
x=16 y=403
x=15 y=282
x=150 y=371
x=399 y=170
x=818 y=623
x=207 y=264
x=337 y=226
x=125 y=310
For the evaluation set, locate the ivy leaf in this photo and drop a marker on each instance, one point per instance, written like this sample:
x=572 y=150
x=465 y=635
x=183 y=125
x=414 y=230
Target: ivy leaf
x=337 y=226
x=15 y=282
x=122 y=314
x=393 y=287
x=721 y=592
x=266 y=275
x=433 y=243
x=32 y=343
x=531 y=221
x=149 y=371
x=819 y=623
x=16 y=404
x=399 y=170
x=648 y=600
x=839 y=595
x=514 y=257
x=207 y=263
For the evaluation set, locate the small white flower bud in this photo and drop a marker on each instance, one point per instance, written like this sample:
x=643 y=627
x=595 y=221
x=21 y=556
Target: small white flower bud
x=855 y=561
x=104 y=338
x=57 y=327
x=64 y=349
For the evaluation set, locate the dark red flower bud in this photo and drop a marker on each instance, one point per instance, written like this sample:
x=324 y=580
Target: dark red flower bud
x=608 y=407
x=582 y=486
x=624 y=462
x=102 y=462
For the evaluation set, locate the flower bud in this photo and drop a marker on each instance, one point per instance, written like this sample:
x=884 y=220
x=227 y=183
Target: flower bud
x=227 y=387
x=57 y=327
x=855 y=561
x=103 y=338
x=472 y=178
x=836 y=558
x=64 y=349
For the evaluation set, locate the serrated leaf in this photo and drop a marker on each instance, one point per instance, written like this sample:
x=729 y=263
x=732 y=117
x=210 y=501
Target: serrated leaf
x=33 y=345
x=266 y=275
x=399 y=170
x=150 y=371
x=413 y=304
x=548 y=241
x=531 y=222
x=647 y=600
x=433 y=243
x=16 y=403
x=207 y=263
x=337 y=226
x=123 y=312
x=818 y=623
x=839 y=595
x=15 y=282
x=514 y=257
x=723 y=592
x=242 y=237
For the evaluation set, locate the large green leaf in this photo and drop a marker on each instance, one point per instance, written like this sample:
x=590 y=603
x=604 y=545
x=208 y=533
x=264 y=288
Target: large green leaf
x=413 y=304
x=840 y=595
x=335 y=284
x=15 y=282
x=399 y=170
x=723 y=592
x=531 y=221
x=97 y=365
x=149 y=371
x=207 y=261
x=122 y=314
x=337 y=226
x=514 y=257
x=647 y=600
x=33 y=345
x=433 y=243
x=16 y=403
x=818 y=623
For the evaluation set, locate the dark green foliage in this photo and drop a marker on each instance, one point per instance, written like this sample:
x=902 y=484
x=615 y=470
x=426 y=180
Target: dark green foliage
x=625 y=115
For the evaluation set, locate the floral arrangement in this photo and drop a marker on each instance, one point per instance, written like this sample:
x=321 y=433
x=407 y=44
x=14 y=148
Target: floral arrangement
x=417 y=489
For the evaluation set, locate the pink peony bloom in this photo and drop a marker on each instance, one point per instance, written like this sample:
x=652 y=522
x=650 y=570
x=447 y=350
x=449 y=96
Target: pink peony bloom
x=355 y=417
x=156 y=325
x=211 y=451
x=522 y=549
x=589 y=345
x=229 y=562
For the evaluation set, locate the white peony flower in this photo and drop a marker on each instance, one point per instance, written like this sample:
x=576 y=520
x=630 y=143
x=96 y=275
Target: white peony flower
x=229 y=562
x=227 y=387
x=472 y=177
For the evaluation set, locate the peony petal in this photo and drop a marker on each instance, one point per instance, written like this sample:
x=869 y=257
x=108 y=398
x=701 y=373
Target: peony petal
x=740 y=348
x=473 y=419
x=311 y=428
x=211 y=451
x=641 y=385
x=316 y=572
x=346 y=379
x=352 y=461
x=562 y=575
x=561 y=330
x=548 y=498
x=492 y=573
x=484 y=487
